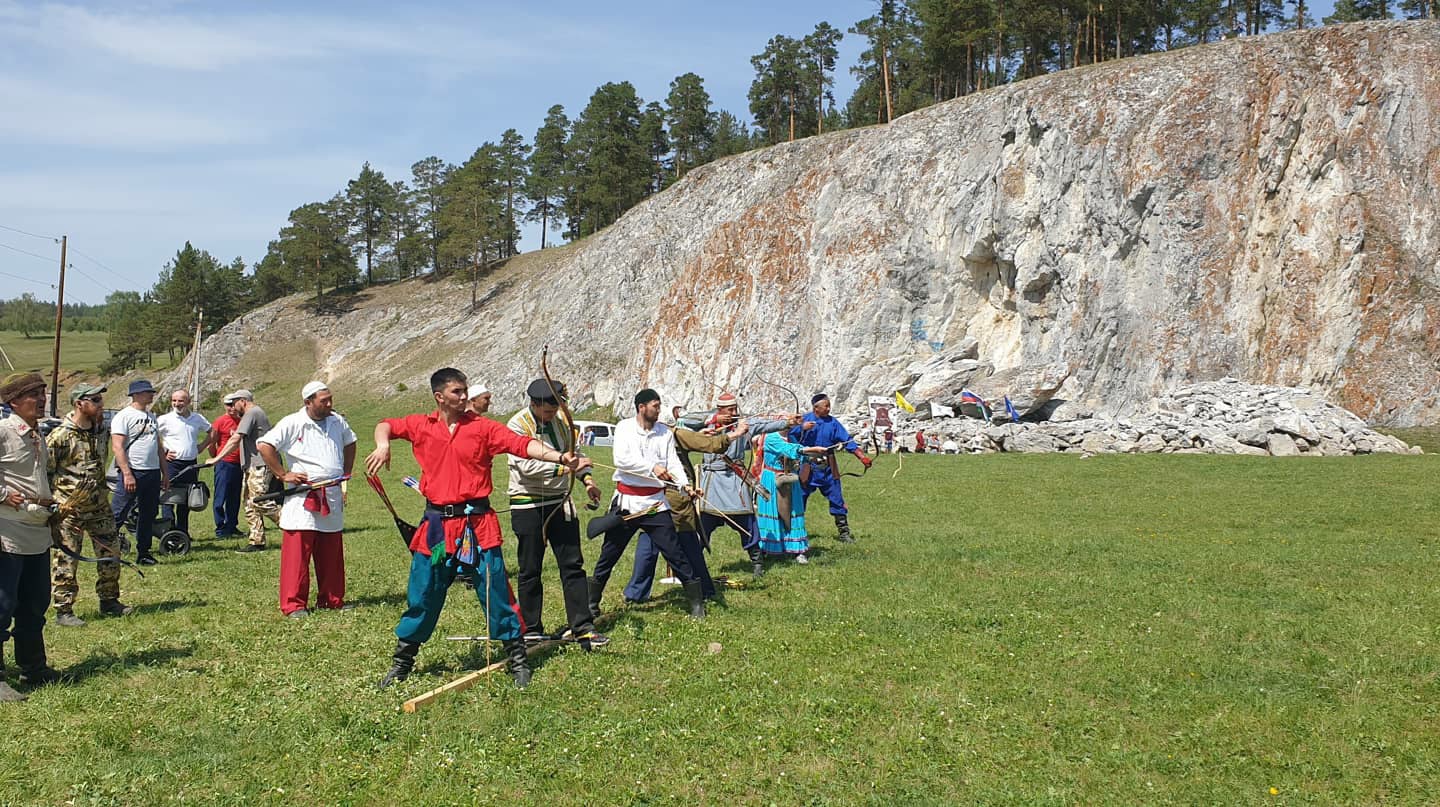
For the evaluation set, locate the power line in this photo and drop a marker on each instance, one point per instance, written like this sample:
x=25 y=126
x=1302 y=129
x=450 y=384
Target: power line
x=46 y=258
x=29 y=280
x=32 y=235
x=87 y=276
x=97 y=262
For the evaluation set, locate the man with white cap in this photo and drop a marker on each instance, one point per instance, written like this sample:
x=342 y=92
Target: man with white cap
x=258 y=479
x=320 y=448
x=479 y=398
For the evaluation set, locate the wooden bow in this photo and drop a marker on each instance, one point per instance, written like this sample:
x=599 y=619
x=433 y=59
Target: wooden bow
x=570 y=438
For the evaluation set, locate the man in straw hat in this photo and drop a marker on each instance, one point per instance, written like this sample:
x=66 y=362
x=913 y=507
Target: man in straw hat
x=25 y=538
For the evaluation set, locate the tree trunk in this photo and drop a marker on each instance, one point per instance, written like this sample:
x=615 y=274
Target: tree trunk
x=544 y=220
x=792 y=116
x=885 y=70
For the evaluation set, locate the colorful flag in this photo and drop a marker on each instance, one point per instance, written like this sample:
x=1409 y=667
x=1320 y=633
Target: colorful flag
x=968 y=397
x=1010 y=410
x=902 y=403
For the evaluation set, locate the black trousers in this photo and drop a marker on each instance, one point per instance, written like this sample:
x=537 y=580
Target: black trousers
x=564 y=539
x=661 y=529
x=24 y=596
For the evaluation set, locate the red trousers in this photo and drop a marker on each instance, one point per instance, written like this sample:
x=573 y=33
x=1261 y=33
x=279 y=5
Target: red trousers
x=296 y=549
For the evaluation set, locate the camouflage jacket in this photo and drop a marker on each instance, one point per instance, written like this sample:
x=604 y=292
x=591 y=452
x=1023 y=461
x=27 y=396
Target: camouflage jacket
x=78 y=457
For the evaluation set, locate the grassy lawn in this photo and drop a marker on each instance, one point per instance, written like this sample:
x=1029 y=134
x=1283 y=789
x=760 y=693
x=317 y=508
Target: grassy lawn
x=1035 y=629
x=80 y=351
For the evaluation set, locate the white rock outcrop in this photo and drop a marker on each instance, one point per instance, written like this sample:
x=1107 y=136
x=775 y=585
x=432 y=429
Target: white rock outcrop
x=1263 y=208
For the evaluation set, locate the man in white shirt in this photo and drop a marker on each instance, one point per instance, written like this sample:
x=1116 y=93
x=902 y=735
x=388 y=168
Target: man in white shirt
x=320 y=447
x=137 y=447
x=184 y=431
x=645 y=462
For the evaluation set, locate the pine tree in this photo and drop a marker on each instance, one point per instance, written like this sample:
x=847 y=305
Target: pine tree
x=692 y=132
x=406 y=232
x=545 y=183
x=732 y=136
x=608 y=164
x=657 y=146
x=314 y=244
x=367 y=202
x=1356 y=10
x=474 y=214
x=821 y=47
x=428 y=178
x=511 y=154
x=782 y=96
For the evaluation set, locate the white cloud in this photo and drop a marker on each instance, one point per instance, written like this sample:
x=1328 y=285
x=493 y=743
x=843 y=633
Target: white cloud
x=49 y=114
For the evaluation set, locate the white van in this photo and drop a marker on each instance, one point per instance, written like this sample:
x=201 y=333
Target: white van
x=604 y=433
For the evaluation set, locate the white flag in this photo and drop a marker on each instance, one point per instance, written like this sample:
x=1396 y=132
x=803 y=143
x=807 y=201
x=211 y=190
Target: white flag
x=941 y=411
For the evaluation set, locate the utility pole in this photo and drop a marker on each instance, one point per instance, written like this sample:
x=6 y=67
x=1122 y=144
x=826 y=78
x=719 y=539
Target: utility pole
x=59 y=317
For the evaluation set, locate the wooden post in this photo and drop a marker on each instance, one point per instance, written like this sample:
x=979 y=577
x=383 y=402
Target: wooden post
x=59 y=317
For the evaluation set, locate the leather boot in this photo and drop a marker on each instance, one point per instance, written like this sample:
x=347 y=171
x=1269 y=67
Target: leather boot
x=696 y=594
x=404 y=662
x=597 y=590
x=842 y=523
x=757 y=563
x=519 y=662
x=30 y=658
x=7 y=695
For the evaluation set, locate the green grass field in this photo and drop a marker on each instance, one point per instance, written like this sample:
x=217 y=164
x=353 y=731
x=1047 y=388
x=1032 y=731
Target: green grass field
x=80 y=352
x=1008 y=629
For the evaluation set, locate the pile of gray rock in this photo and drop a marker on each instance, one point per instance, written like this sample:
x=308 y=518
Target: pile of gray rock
x=1219 y=417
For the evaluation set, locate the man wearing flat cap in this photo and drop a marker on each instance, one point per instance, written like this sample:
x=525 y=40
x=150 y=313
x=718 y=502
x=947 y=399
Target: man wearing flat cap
x=79 y=450
x=541 y=514
x=25 y=539
x=135 y=442
x=319 y=447
x=252 y=426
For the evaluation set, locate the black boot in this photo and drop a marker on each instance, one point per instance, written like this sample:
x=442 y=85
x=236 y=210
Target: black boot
x=842 y=523
x=404 y=662
x=597 y=590
x=696 y=594
x=7 y=695
x=519 y=662
x=757 y=563
x=30 y=658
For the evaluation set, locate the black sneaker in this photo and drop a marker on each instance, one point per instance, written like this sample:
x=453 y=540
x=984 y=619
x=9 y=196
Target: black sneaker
x=147 y=560
x=590 y=640
x=250 y=548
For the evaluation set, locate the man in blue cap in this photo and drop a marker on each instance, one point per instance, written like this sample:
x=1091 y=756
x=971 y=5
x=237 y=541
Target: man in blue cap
x=135 y=443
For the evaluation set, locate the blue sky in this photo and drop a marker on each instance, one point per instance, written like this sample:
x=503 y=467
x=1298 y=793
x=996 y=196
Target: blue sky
x=133 y=127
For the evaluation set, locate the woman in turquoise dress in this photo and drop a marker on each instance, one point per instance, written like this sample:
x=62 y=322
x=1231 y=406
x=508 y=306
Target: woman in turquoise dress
x=781 y=517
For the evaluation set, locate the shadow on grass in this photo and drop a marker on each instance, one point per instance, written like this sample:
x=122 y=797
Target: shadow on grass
x=392 y=598
x=100 y=662
x=166 y=606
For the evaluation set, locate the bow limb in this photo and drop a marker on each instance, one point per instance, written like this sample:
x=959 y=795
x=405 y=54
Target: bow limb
x=792 y=392
x=570 y=434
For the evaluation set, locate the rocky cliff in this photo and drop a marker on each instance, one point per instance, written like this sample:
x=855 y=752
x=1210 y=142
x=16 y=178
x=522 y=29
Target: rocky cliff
x=1262 y=208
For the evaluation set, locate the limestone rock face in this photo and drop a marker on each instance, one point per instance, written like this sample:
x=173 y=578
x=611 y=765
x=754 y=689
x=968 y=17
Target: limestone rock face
x=1263 y=208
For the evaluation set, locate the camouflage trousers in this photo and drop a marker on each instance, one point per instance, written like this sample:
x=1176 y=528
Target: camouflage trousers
x=71 y=532
x=257 y=481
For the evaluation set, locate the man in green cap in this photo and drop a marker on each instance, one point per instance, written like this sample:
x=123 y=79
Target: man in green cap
x=25 y=542
x=78 y=455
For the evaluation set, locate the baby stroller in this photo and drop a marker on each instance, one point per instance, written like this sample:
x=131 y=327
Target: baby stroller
x=186 y=490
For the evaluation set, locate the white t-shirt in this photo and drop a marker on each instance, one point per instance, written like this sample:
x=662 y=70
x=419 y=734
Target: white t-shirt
x=139 y=429
x=318 y=451
x=182 y=435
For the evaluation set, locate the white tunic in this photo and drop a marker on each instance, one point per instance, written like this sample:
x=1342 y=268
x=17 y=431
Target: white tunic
x=637 y=452
x=318 y=451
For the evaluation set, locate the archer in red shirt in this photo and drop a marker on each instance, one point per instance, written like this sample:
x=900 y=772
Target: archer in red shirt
x=460 y=533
